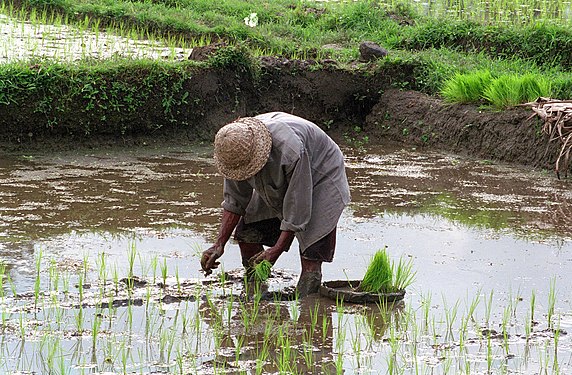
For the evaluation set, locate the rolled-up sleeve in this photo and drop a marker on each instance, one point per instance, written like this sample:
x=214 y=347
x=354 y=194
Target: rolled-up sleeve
x=237 y=195
x=297 y=204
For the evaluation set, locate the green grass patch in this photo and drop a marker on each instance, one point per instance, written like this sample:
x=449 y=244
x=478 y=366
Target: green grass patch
x=425 y=54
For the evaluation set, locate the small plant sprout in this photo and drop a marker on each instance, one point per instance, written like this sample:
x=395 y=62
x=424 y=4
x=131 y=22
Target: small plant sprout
x=532 y=306
x=164 y=272
x=37 y=280
x=102 y=267
x=131 y=256
x=551 y=303
x=178 y=280
x=325 y=327
x=488 y=308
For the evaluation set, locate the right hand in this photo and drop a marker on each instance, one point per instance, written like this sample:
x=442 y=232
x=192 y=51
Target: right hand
x=209 y=257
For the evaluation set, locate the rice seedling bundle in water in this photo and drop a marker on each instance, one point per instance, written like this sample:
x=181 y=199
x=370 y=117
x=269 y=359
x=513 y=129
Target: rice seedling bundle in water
x=262 y=271
x=379 y=275
x=384 y=276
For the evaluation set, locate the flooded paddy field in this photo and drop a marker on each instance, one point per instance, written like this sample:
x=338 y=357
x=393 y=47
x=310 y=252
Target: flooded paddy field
x=100 y=263
x=47 y=36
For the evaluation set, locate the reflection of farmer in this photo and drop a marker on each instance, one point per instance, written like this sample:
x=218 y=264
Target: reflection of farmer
x=284 y=178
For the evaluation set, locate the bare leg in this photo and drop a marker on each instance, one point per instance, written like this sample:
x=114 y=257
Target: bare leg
x=248 y=250
x=310 y=277
x=309 y=265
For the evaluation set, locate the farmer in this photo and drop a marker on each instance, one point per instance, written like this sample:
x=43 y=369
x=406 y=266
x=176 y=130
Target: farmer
x=283 y=178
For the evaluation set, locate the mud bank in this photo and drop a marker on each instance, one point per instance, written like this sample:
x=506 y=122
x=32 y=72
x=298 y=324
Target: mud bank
x=150 y=105
x=511 y=135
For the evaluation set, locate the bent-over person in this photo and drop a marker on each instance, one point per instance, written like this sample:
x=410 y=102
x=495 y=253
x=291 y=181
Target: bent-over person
x=284 y=178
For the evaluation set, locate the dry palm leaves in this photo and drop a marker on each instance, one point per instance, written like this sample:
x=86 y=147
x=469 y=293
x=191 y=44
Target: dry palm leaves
x=557 y=116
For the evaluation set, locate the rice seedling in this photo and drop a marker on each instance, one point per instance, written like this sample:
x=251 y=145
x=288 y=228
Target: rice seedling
x=184 y=335
x=527 y=327
x=286 y=357
x=551 y=303
x=504 y=327
x=466 y=88
x=488 y=309
x=95 y=328
x=307 y=350
x=511 y=90
x=426 y=306
x=450 y=318
x=164 y=272
x=489 y=353
x=262 y=271
x=532 y=306
x=325 y=327
x=378 y=276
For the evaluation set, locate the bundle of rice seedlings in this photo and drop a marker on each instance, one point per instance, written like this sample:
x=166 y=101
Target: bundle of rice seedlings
x=384 y=276
x=262 y=271
x=378 y=277
x=403 y=274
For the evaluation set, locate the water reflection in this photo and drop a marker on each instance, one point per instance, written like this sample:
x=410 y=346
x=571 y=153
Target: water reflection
x=469 y=192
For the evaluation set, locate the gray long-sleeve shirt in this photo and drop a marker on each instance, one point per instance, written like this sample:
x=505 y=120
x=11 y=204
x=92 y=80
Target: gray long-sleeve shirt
x=304 y=182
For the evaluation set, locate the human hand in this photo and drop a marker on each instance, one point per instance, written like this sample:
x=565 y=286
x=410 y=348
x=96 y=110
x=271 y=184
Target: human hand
x=209 y=257
x=271 y=254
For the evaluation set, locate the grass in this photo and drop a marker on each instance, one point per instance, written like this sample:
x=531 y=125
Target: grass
x=511 y=90
x=466 y=88
x=437 y=49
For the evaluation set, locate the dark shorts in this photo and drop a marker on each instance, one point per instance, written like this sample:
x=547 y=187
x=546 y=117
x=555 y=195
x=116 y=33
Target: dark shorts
x=267 y=232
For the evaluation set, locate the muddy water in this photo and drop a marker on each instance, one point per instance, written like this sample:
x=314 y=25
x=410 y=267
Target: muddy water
x=462 y=221
x=470 y=227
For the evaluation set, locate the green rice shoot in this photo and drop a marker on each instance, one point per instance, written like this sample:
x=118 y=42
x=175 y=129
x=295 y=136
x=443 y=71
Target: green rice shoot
x=385 y=276
x=262 y=271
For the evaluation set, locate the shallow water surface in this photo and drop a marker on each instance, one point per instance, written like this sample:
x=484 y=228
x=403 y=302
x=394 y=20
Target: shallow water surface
x=478 y=233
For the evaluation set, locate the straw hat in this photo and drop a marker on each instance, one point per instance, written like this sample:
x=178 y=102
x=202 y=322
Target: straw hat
x=241 y=148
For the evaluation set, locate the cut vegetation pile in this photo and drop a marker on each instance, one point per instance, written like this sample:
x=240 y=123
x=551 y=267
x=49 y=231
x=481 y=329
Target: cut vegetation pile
x=557 y=117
